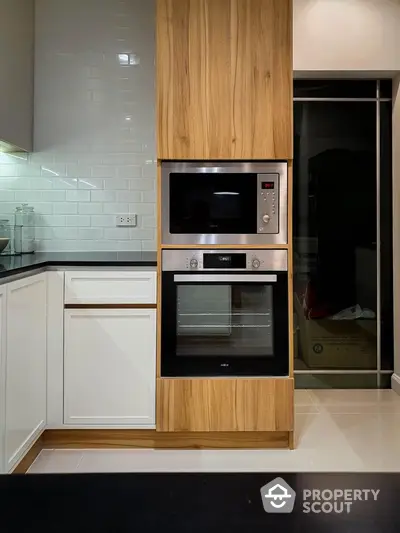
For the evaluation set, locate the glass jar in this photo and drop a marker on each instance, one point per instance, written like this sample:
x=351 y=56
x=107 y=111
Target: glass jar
x=25 y=217
x=5 y=233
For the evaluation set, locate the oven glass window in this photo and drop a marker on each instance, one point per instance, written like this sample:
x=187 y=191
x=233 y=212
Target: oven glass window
x=224 y=320
x=213 y=203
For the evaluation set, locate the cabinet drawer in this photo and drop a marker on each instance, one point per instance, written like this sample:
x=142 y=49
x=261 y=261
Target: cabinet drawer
x=90 y=287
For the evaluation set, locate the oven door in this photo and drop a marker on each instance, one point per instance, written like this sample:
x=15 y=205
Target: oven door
x=224 y=324
x=224 y=203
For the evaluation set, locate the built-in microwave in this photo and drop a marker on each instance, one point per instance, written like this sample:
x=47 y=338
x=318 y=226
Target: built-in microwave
x=224 y=313
x=230 y=203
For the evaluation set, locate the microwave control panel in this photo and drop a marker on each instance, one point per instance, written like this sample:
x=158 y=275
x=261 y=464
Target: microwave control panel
x=268 y=203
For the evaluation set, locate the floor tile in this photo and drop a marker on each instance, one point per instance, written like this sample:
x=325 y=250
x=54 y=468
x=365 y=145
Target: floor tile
x=335 y=430
x=357 y=401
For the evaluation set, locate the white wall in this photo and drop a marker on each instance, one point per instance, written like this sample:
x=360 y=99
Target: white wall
x=16 y=72
x=94 y=154
x=346 y=35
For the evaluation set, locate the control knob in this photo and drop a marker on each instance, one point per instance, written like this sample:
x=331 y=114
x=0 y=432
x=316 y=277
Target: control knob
x=266 y=219
x=256 y=263
x=194 y=263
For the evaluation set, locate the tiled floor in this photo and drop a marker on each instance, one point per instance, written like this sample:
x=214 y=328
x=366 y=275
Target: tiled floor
x=336 y=430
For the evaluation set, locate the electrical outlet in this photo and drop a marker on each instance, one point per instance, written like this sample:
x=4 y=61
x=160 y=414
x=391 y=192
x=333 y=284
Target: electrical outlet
x=126 y=220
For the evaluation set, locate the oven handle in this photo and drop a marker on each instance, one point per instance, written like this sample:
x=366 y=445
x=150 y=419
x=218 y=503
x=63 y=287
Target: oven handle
x=233 y=278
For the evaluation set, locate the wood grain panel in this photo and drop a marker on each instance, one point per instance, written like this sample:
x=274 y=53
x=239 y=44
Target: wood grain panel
x=29 y=458
x=225 y=404
x=226 y=246
x=224 y=79
x=138 y=438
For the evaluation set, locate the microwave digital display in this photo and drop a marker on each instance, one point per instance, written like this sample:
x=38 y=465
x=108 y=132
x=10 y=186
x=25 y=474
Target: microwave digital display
x=268 y=185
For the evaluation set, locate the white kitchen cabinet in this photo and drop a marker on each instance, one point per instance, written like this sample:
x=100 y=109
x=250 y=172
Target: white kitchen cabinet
x=109 y=367
x=3 y=329
x=110 y=287
x=25 y=366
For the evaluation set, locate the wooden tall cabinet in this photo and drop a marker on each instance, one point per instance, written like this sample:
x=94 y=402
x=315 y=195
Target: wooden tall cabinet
x=224 y=79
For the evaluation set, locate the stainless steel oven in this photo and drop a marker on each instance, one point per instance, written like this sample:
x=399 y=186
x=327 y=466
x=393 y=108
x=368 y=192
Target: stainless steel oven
x=224 y=313
x=229 y=203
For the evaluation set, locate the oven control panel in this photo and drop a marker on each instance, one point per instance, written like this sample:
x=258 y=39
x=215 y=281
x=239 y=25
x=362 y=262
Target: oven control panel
x=268 y=203
x=195 y=260
x=224 y=260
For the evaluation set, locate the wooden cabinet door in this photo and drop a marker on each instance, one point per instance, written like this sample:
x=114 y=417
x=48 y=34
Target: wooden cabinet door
x=202 y=404
x=25 y=366
x=224 y=79
x=109 y=367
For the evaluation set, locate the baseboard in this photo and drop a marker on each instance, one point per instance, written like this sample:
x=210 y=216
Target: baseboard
x=27 y=460
x=132 y=438
x=396 y=383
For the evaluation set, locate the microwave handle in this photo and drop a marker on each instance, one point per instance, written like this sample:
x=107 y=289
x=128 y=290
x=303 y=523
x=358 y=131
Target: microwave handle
x=229 y=278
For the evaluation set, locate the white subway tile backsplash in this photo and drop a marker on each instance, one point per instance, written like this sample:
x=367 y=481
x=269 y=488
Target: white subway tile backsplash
x=75 y=170
x=117 y=234
x=65 y=208
x=130 y=171
x=90 y=208
x=149 y=222
x=142 y=234
x=116 y=184
x=53 y=196
x=90 y=183
x=129 y=196
x=42 y=208
x=103 y=171
x=90 y=233
x=77 y=220
x=142 y=184
x=52 y=169
x=52 y=220
x=103 y=196
x=65 y=233
x=115 y=209
x=90 y=163
x=28 y=171
x=142 y=209
x=8 y=171
x=7 y=196
x=78 y=196
x=26 y=196
x=64 y=183
x=103 y=221
x=149 y=196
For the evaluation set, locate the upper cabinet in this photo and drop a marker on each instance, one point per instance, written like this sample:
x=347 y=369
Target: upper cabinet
x=224 y=79
x=16 y=75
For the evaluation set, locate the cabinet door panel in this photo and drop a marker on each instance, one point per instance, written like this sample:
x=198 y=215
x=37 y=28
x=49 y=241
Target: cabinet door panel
x=26 y=365
x=109 y=367
x=224 y=79
x=225 y=404
x=3 y=346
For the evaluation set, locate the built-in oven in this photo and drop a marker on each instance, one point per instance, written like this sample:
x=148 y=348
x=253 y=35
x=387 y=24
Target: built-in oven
x=224 y=313
x=229 y=203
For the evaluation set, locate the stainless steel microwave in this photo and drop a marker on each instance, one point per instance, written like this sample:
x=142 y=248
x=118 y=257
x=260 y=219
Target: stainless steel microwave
x=229 y=203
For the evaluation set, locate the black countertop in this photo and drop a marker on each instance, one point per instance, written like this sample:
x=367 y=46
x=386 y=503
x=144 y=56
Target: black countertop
x=10 y=266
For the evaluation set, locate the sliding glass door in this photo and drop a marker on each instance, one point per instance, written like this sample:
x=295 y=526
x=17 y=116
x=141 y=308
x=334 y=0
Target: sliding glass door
x=342 y=234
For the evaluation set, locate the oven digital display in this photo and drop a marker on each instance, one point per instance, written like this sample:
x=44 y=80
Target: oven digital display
x=225 y=261
x=268 y=185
